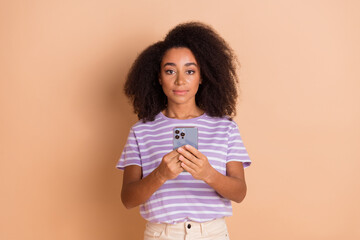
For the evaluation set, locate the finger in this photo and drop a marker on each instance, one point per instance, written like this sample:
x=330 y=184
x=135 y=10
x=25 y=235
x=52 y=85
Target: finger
x=188 y=163
x=175 y=159
x=171 y=157
x=178 y=168
x=193 y=150
x=172 y=154
x=187 y=154
x=180 y=162
x=187 y=168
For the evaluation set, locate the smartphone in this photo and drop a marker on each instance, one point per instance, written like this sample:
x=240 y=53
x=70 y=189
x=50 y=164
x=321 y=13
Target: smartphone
x=185 y=135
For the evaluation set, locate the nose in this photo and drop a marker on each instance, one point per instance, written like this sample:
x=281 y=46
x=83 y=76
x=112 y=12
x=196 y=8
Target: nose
x=180 y=79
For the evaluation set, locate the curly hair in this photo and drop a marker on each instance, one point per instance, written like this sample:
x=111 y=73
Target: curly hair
x=216 y=95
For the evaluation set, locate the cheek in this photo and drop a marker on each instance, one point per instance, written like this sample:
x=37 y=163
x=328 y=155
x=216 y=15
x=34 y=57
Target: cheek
x=166 y=85
x=195 y=87
x=192 y=79
x=195 y=80
x=167 y=79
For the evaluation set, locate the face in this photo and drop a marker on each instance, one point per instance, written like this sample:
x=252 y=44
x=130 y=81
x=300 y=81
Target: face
x=180 y=76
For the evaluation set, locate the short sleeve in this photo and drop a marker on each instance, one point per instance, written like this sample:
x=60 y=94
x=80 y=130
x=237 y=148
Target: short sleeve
x=130 y=154
x=236 y=149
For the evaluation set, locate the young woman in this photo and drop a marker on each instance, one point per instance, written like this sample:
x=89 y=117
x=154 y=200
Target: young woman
x=187 y=80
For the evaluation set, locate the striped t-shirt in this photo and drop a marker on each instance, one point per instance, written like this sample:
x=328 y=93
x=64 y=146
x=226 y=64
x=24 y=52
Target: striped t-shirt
x=184 y=198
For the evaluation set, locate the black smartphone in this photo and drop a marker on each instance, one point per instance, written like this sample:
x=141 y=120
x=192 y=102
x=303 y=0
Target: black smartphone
x=185 y=135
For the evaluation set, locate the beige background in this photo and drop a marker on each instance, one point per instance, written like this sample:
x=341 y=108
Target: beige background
x=64 y=118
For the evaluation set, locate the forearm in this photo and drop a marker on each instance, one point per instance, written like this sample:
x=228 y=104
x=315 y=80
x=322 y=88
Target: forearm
x=137 y=192
x=232 y=188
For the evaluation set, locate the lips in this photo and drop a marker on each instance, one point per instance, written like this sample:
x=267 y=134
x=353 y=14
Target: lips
x=180 y=92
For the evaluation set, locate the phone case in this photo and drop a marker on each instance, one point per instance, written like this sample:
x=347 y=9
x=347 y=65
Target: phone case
x=185 y=135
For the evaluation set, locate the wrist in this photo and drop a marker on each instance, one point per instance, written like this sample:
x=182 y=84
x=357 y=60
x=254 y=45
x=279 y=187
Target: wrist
x=160 y=177
x=211 y=176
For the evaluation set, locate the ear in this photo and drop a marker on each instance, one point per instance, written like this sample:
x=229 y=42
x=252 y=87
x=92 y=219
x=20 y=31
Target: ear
x=200 y=81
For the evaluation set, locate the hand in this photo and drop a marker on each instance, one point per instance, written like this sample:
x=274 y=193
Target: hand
x=196 y=163
x=170 y=166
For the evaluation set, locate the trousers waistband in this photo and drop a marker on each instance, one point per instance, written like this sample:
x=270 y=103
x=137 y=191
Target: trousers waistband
x=188 y=227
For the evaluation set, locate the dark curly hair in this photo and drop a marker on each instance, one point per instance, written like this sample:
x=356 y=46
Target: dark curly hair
x=218 y=92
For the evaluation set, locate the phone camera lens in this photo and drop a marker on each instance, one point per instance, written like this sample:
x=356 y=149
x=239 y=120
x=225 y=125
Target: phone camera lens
x=177 y=131
x=182 y=134
x=177 y=136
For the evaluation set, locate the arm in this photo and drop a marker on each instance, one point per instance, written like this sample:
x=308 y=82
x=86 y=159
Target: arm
x=232 y=186
x=136 y=190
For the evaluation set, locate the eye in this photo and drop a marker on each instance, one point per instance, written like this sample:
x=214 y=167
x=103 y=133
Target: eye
x=169 y=71
x=190 y=72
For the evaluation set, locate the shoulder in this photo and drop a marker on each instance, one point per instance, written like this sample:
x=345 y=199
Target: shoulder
x=141 y=125
x=224 y=122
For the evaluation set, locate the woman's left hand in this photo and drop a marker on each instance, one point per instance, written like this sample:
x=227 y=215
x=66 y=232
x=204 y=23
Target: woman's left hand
x=195 y=162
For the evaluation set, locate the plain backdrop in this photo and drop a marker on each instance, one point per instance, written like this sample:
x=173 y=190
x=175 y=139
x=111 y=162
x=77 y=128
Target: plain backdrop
x=64 y=118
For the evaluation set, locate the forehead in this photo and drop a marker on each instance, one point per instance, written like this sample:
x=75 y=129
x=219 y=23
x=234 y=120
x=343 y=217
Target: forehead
x=179 y=55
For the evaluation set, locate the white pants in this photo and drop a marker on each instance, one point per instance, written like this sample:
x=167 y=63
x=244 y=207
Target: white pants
x=212 y=230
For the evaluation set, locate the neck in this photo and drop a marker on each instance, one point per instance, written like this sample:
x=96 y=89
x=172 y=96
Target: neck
x=182 y=112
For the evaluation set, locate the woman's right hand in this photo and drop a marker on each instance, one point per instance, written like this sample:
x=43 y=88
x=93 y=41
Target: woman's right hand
x=170 y=166
x=136 y=190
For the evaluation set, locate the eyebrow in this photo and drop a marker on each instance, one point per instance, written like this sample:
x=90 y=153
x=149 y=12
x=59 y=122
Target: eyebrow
x=186 y=64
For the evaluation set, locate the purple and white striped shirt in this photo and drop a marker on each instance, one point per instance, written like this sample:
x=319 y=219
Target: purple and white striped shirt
x=184 y=198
